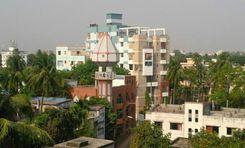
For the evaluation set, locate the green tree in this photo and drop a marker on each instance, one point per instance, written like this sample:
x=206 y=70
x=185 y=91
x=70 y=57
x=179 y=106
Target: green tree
x=147 y=135
x=120 y=71
x=148 y=101
x=84 y=73
x=174 y=76
x=63 y=125
x=15 y=107
x=110 y=116
x=17 y=134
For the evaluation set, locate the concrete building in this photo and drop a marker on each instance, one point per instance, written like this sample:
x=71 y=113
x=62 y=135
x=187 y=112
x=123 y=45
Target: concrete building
x=5 y=54
x=123 y=99
x=143 y=51
x=67 y=57
x=188 y=64
x=86 y=142
x=97 y=116
x=189 y=118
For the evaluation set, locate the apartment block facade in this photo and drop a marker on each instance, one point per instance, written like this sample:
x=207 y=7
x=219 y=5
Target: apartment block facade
x=67 y=57
x=5 y=54
x=143 y=51
x=189 y=118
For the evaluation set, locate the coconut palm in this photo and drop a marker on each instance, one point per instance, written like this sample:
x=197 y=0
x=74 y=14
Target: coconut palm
x=174 y=76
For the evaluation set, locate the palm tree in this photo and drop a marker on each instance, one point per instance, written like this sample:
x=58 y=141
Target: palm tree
x=44 y=79
x=17 y=134
x=15 y=107
x=174 y=76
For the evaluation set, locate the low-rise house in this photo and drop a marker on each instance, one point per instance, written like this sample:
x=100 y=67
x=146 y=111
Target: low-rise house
x=191 y=117
x=97 y=116
x=51 y=102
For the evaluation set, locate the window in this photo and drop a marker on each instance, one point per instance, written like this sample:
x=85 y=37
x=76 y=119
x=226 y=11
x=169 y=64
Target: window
x=119 y=99
x=189 y=119
x=190 y=111
x=196 y=119
x=72 y=62
x=130 y=66
x=121 y=44
x=163 y=45
x=189 y=130
x=158 y=123
x=78 y=52
x=59 y=52
x=229 y=131
x=121 y=54
x=196 y=130
x=119 y=113
x=148 y=63
x=65 y=62
x=196 y=111
x=148 y=56
x=175 y=126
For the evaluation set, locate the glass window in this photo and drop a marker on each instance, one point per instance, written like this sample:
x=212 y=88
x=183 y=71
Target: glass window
x=121 y=44
x=189 y=119
x=59 y=52
x=158 y=123
x=190 y=111
x=148 y=56
x=229 y=131
x=196 y=119
x=196 y=130
x=196 y=111
x=175 y=126
x=130 y=66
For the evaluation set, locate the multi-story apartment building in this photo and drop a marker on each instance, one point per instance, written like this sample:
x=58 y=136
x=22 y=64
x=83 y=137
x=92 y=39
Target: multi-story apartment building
x=143 y=51
x=5 y=54
x=189 y=118
x=67 y=57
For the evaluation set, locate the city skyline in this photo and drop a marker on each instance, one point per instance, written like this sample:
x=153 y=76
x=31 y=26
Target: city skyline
x=200 y=26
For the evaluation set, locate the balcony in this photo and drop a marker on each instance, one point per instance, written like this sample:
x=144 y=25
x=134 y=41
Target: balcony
x=163 y=51
x=104 y=75
x=165 y=94
x=163 y=72
x=153 y=84
x=163 y=61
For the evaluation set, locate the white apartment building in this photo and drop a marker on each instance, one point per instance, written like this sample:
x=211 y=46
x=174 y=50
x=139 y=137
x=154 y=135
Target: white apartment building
x=67 y=57
x=191 y=117
x=5 y=54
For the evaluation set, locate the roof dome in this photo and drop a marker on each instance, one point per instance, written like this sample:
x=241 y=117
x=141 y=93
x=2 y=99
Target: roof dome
x=105 y=53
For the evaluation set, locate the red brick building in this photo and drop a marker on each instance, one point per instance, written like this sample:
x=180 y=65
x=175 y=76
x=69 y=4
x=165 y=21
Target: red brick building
x=123 y=99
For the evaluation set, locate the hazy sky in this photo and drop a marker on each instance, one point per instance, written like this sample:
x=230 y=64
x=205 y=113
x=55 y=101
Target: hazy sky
x=196 y=25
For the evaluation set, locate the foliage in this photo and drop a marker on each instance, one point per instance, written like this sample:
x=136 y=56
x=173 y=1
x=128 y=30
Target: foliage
x=15 y=107
x=148 y=101
x=110 y=116
x=63 y=125
x=147 y=135
x=16 y=134
x=120 y=71
x=204 y=139
x=84 y=73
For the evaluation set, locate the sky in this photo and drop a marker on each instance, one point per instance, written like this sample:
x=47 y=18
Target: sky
x=193 y=25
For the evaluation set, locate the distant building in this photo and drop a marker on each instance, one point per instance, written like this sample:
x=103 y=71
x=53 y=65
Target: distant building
x=189 y=118
x=5 y=54
x=86 y=142
x=97 y=116
x=51 y=102
x=188 y=64
x=67 y=57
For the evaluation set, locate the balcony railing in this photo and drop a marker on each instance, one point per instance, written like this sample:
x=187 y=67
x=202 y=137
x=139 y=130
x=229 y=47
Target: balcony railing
x=104 y=75
x=163 y=51
x=163 y=61
x=163 y=72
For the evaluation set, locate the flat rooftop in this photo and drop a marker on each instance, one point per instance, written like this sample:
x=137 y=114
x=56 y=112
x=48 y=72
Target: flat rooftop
x=169 y=108
x=229 y=112
x=85 y=142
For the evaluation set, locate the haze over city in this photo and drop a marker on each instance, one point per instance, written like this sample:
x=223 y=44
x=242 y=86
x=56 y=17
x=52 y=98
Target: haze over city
x=193 y=25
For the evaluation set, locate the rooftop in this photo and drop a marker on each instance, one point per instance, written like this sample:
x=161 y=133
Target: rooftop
x=50 y=100
x=169 y=108
x=85 y=142
x=229 y=112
